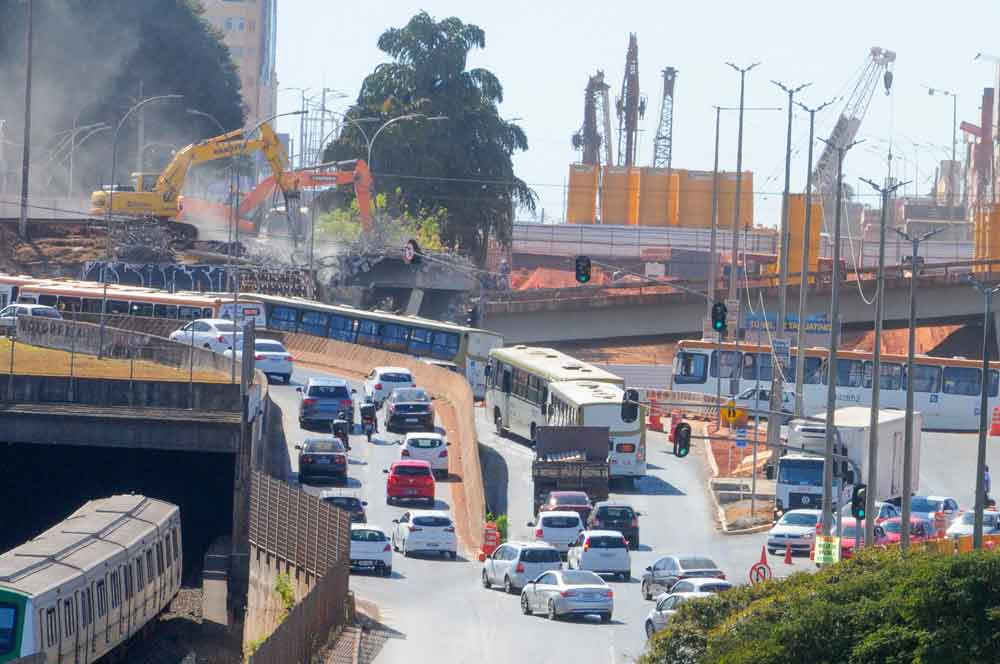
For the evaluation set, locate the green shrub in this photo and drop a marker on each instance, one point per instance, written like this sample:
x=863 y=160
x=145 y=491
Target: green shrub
x=286 y=591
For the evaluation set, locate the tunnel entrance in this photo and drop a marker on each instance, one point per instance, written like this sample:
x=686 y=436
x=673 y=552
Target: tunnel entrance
x=41 y=485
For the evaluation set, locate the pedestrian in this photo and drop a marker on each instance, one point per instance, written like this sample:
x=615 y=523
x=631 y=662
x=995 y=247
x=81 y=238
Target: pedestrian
x=986 y=483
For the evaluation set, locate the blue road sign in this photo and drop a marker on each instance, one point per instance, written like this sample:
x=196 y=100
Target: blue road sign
x=741 y=437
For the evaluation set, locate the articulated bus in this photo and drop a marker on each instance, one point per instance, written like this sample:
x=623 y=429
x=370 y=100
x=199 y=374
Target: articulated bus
x=946 y=391
x=467 y=347
x=523 y=382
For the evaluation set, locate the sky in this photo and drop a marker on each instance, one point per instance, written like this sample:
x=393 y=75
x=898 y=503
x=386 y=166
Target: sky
x=543 y=52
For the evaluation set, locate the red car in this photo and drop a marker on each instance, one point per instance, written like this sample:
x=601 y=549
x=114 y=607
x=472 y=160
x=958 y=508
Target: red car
x=409 y=480
x=573 y=501
x=920 y=529
x=849 y=528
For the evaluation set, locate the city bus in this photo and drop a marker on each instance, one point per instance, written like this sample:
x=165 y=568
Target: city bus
x=946 y=391
x=467 y=347
x=590 y=403
x=517 y=390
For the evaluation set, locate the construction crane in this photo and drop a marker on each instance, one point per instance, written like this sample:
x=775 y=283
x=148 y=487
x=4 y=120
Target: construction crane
x=631 y=106
x=663 y=146
x=589 y=138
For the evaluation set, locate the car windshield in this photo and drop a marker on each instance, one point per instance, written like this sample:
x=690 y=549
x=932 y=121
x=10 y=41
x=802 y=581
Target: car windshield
x=225 y=327
x=800 y=519
x=269 y=347
x=45 y=313
x=367 y=535
x=412 y=471
x=410 y=395
x=800 y=472
x=581 y=578
x=697 y=563
x=424 y=443
x=329 y=392
x=396 y=378
x=604 y=542
x=432 y=521
x=616 y=513
x=345 y=502
x=324 y=447
x=540 y=556
x=923 y=505
x=570 y=498
x=560 y=521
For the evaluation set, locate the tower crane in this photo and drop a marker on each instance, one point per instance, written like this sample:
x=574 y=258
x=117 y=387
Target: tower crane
x=631 y=106
x=663 y=147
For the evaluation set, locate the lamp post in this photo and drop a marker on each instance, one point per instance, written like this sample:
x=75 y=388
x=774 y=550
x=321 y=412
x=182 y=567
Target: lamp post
x=22 y=224
x=954 y=140
x=977 y=529
x=74 y=145
x=409 y=116
x=739 y=187
x=885 y=193
x=904 y=540
x=209 y=116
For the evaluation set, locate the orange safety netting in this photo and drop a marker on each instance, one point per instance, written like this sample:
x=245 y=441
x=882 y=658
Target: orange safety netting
x=547 y=277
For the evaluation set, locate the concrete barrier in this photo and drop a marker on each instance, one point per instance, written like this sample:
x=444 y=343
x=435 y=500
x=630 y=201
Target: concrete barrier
x=455 y=406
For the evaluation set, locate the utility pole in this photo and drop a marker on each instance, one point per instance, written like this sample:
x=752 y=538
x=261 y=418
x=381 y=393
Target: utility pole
x=739 y=186
x=22 y=223
x=831 y=383
x=800 y=346
x=774 y=433
x=885 y=192
x=904 y=540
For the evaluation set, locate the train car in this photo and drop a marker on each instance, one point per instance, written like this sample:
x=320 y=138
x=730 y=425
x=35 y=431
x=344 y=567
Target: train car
x=88 y=584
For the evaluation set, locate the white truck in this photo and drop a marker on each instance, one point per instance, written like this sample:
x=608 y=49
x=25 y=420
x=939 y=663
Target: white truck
x=800 y=475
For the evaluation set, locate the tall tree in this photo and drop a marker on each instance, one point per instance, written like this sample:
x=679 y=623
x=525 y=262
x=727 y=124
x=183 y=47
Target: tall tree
x=89 y=60
x=461 y=163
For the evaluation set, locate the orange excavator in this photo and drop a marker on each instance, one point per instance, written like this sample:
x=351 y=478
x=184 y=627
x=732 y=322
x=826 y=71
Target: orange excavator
x=251 y=220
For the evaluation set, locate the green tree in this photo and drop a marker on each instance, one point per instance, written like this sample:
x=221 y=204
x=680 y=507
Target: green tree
x=394 y=224
x=89 y=59
x=461 y=164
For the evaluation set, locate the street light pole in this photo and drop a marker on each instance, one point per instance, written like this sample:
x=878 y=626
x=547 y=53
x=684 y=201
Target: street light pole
x=977 y=529
x=739 y=187
x=22 y=223
x=873 y=441
x=831 y=373
x=904 y=540
x=409 y=116
x=209 y=116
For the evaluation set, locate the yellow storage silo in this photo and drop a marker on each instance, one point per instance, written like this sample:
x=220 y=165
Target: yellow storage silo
x=619 y=196
x=796 y=230
x=727 y=199
x=695 y=199
x=581 y=200
x=657 y=190
x=632 y=193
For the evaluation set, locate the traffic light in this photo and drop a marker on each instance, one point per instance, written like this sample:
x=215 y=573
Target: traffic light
x=719 y=317
x=472 y=319
x=682 y=439
x=630 y=406
x=582 y=269
x=859 y=494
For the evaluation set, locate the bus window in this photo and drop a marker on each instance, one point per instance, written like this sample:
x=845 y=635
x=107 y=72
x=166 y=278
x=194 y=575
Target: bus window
x=395 y=337
x=536 y=390
x=314 y=322
x=91 y=306
x=963 y=381
x=892 y=376
x=520 y=387
x=48 y=300
x=369 y=333
x=692 y=368
x=926 y=378
x=445 y=345
x=341 y=328
x=165 y=310
x=850 y=373
x=421 y=341
x=141 y=309
x=117 y=307
x=730 y=363
x=188 y=313
x=207 y=313
x=814 y=369
x=994 y=382
x=751 y=362
x=69 y=303
x=284 y=318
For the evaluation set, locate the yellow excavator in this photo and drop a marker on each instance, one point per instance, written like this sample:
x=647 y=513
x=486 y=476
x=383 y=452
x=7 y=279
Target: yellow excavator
x=157 y=195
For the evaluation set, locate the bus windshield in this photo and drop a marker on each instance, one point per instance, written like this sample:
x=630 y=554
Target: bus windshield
x=801 y=472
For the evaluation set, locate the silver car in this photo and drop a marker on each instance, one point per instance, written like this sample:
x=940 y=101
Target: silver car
x=516 y=563
x=666 y=607
x=568 y=592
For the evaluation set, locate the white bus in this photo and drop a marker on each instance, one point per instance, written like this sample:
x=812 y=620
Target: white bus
x=517 y=388
x=946 y=390
x=590 y=403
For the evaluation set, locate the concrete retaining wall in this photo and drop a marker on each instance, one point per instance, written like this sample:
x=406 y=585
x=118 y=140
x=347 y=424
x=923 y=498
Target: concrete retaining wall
x=114 y=392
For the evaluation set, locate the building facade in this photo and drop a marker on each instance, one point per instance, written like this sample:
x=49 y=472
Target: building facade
x=249 y=29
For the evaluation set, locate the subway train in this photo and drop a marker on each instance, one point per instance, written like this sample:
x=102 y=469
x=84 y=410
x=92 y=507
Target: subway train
x=86 y=585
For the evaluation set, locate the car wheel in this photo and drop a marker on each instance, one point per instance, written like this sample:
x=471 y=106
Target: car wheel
x=486 y=580
x=387 y=572
x=551 y=613
x=605 y=617
x=393 y=541
x=388 y=500
x=773 y=552
x=507 y=587
x=625 y=576
x=646 y=595
x=406 y=552
x=287 y=379
x=525 y=608
x=650 y=630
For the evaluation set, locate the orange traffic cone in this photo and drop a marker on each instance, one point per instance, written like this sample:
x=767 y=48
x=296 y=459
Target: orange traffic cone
x=788 y=554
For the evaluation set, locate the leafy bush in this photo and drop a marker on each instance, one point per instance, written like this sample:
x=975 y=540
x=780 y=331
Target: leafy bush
x=394 y=224
x=878 y=608
x=286 y=591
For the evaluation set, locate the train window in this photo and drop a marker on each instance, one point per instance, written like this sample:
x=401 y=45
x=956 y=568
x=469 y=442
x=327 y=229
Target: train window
x=963 y=381
x=892 y=376
x=48 y=300
x=86 y=607
x=177 y=554
x=102 y=599
x=119 y=307
x=159 y=558
x=926 y=378
x=128 y=581
x=994 y=382
x=139 y=576
x=69 y=617
x=342 y=328
x=284 y=318
x=116 y=590
x=69 y=303
x=51 y=627
x=150 y=570
x=691 y=368
x=395 y=337
x=369 y=333
x=730 y=363
x=165 y=310
x=445 y=345
x=421 y=341
x=166 y=539
x=314 y=322
x=91 y=306
x=188 y=313
x=141 y=309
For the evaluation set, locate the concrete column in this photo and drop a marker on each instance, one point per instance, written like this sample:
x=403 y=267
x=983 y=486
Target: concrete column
x=413 y=304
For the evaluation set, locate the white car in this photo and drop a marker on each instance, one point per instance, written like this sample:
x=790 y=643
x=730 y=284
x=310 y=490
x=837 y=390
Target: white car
x=558 y=528
x=10 y=314
x=216 y=334
x=795 y=529
x=666 y=607
x=270 y=357
x=515 y=564
x=928 y=507
x=701 y=584
x=380 y=383
x=964 y=524
x=425 y=530
x=370 y=549
x=429 y=447
x=761 y=400
x=601 y=551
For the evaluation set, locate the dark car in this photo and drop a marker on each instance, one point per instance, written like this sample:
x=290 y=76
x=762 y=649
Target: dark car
x=409 y=409
x=611 y=515
x=351 y=504
x=324 y=400
x=322 y=457
x=573 y=501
